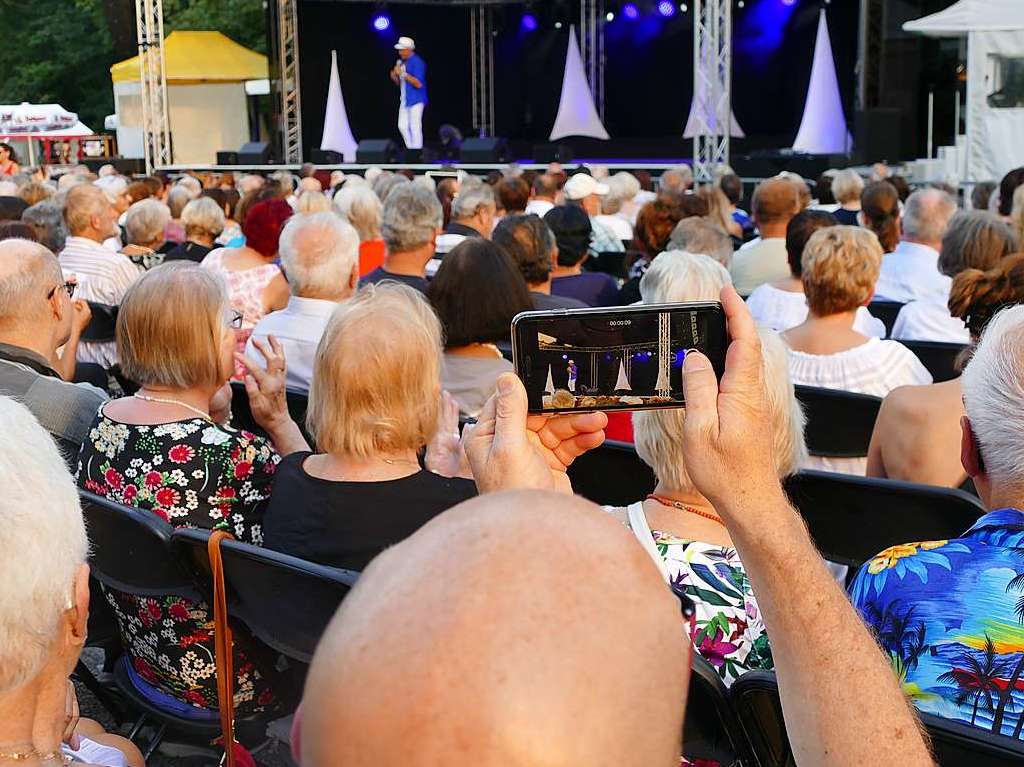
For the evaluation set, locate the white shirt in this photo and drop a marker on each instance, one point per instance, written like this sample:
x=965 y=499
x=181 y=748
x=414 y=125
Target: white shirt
x=298 y=327
x=911 y=273
x=875 y=367
x=783 y=309
x=617 y=225
x=758 y=262
x=929 y=321
x=539 y=207
x=103 y=277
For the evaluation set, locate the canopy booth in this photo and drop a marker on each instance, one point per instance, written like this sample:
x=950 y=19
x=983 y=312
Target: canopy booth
x=45 y=123
x=995 y=79
x=208 y=75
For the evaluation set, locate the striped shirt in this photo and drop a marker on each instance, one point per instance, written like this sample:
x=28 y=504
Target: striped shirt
x=103 y=277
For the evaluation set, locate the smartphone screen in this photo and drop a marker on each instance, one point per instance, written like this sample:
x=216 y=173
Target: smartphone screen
x=626 y=358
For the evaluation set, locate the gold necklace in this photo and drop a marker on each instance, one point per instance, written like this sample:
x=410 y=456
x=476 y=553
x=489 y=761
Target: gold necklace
x=29 y=752
x=179 y=403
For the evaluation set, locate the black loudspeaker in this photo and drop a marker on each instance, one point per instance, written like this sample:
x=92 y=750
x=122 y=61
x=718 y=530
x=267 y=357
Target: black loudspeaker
x=377 y=151
x=326 y=157
x=124 y=166
x=254 y=153
x=227 y=157
x=879 y=133
x=553 y=153
x=486 y=149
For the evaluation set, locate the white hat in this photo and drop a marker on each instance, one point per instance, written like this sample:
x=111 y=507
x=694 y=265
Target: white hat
x=405 y=44
x=581 y=185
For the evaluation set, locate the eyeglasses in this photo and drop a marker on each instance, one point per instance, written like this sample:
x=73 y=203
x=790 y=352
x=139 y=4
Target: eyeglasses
x=233 y=319
x=69 y=286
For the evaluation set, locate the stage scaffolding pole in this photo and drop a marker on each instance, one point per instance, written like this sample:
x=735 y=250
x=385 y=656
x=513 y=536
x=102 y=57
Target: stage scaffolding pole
x=288 y=69
x=712 y=80
x=481 y=37
x=592 y=48
x=156 y=131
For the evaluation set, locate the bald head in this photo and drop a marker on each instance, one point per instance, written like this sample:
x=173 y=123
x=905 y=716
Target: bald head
x=27 y=272
x=516 y=628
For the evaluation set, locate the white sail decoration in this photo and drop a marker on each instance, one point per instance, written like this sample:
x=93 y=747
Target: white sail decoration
x=704 y=100
x=622 y=383
x=549 y=386
x=577 y=115
x=823 y=128
x=337 y=131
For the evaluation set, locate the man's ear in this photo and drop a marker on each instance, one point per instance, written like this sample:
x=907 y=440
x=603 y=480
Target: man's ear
x=970 y=451
x=78 y=614
x=353 y=278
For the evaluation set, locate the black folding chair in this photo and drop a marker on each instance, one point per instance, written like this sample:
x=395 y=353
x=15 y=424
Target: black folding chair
x=241 y=412
x=611 y=262
x=612 y=474
x=711 y=730
x=102 y=323
x=853 y=518
x=839 y=423
x=939 y=358
x=886 y=311
x=957 y=744
x=755 y=701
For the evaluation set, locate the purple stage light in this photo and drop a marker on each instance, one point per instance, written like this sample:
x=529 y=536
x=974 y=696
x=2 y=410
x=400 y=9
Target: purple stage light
x=630 y=11
x=665 y=8
x=789 y=2
x=382 y=22
x=529 y=22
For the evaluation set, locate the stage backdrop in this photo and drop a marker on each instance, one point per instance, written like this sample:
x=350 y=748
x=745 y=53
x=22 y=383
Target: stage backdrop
x=648 y=77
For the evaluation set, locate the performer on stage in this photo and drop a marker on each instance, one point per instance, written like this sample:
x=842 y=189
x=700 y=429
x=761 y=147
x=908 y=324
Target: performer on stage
x=410 y=75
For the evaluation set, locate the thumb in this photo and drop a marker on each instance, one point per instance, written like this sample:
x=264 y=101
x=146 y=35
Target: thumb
x=510 y=406
x=700 y=389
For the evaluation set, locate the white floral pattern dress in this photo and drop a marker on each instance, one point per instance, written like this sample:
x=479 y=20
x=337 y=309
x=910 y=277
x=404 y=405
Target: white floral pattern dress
x=189 y=473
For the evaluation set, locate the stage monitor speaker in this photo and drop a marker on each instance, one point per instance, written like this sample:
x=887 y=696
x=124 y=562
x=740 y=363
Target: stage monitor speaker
x=377 y=151
x=227 y=157
x=553 y=153
x=879 y=133
x=254 y=153
x=326 y=157
x=485 y=149
x=126 y=166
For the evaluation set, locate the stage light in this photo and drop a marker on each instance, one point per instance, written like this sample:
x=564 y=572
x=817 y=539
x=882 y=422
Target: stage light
x=684 y=7
x=741 y=4
x=558 y=25
x=789 y=2
x=666 y=8
x=529 y=22
x=382 y=22
x=630 y=11
x=609 y=17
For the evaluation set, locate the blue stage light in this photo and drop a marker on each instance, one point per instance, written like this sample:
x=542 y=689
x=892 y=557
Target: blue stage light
x=665 y=8
x=529 y=22
x=630 y=11
x=382 y=22
x=789 y=2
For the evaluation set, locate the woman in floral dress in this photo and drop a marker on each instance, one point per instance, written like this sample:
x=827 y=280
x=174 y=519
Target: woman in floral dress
x=167 y=450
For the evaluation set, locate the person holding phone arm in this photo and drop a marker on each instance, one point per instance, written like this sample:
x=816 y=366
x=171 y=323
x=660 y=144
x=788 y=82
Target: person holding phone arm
x=410 y=75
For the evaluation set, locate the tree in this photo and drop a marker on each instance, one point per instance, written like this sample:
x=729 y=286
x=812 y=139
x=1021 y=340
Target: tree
x=244 y=21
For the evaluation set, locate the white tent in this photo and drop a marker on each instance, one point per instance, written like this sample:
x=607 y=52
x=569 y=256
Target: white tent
x=995 y=79
x=30 y=122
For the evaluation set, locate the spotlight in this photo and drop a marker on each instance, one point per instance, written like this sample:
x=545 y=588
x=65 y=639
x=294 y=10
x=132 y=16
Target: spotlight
x=741 y=5
x=558 y=25
x=609 y=17
x=666 y=8
x=789 y=2
x=683 y=7
x=382 y=22
x=529 y=22
x=630 y=11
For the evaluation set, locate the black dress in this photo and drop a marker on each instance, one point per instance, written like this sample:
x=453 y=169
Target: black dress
x=347 y=524
x=188 y=251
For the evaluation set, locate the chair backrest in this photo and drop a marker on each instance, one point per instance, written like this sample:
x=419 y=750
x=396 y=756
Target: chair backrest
x=839 y=423
x=612 y=474
x=285 y=602
x=755 y=701
x=853 y=518
x=241 y=412
x=957 y=744
x=711 y=731
x=939 y=358
x=611 y=262
x=887 y=312
x=101 y=324
x=131 y=551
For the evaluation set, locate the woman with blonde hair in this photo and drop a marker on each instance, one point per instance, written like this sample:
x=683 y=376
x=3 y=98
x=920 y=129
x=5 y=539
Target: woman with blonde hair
x=358 y=205
x=720 y=210
x=374 y=403
x=311 y=201
x=678 y=525
x=847 y=186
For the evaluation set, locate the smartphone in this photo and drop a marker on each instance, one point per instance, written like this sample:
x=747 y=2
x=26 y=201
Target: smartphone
x=622 y=358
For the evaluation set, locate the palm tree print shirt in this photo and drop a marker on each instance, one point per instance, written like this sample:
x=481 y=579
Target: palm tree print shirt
x=950 y=616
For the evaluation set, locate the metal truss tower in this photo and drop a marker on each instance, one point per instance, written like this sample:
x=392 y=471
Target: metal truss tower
x=592 y=48
x=156 y=127
x=481 y=37
x=288 y=70
x=712 y=81
x=663 y=386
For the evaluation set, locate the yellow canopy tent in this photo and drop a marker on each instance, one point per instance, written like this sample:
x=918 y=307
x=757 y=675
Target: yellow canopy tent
x=206 y=98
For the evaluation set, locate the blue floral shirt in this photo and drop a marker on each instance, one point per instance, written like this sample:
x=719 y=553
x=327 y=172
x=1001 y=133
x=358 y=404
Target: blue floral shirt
x=950 y=616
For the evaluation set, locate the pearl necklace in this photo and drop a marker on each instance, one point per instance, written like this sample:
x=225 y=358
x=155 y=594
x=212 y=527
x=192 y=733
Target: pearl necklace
x=179 y=403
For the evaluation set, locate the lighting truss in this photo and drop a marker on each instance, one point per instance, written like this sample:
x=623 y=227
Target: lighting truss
x=156 y=131
x=712 y=81
x=288 y=67
x=481 y=26
x=592 y=48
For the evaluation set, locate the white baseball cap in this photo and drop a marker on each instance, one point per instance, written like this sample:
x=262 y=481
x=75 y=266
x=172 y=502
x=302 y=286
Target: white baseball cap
x=581 y=185
x=405 y=44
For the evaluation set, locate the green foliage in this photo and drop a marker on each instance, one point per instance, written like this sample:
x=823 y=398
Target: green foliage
x=243 y=21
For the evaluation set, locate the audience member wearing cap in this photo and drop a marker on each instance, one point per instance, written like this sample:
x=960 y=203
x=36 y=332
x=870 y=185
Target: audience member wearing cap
x=572 y=229
x=586 y=192
x=526 y=627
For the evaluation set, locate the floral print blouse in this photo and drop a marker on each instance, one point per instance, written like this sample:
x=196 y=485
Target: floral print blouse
x=189 y=473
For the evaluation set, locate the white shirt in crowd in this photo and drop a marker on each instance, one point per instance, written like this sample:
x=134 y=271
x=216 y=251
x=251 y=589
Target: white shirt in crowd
x=539 y=207
x=911 y=273
x=103 y=277
x=875 y=367
x=618 y=225
x=757 y=262
x=783 y=309
x=298 y=327
x=929 y=321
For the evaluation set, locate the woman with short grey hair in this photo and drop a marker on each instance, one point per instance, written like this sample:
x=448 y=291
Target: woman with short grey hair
x=410 y=225
x=846 y=188
x=145 y=225
x=204 y=220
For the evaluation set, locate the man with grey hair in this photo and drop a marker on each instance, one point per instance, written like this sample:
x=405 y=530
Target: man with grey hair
x=37 y=317
x=698 y=235
x=47 y=218
x=676 y=180
x=911 y=272
x=410 y=225
x=473 y=211
x=320 y=258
